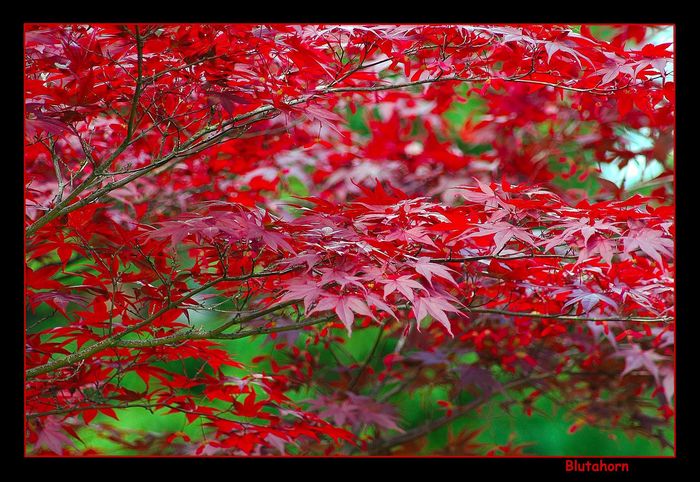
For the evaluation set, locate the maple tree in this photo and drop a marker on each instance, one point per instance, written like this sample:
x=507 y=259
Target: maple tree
x=439 y=189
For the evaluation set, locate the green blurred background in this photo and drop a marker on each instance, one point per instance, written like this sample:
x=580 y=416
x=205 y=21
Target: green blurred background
x=546 y=431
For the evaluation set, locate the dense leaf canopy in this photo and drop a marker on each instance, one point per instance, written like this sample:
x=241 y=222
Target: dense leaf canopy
x=450 y=195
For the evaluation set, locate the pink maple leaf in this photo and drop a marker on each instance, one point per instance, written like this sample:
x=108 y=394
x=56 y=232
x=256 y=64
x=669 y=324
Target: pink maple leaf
x=339 y=277
x=417 y=235
x=636 y=358
x=306 y=289
x=425 y=267
x=435 y=306
x=53 y=437
x=404 y=284
x=345 y=306
x=502 y=233
x=651 y=242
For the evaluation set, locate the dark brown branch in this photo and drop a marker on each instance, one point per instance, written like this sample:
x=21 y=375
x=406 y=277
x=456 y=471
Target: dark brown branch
x=457 y=78
x=364 y=366
x=564 y=316
x=500 y=258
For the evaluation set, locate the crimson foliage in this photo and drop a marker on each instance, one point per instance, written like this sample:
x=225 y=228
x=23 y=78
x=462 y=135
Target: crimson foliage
x=441 y=187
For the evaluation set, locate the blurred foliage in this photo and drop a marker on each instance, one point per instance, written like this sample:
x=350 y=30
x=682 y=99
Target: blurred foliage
x=545 y=432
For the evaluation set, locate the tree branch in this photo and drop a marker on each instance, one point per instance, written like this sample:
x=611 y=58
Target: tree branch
x=65 y=206
x=563 y=316
x=115 y=339
x=383 y=446
x=500 y=258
